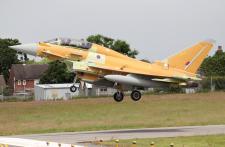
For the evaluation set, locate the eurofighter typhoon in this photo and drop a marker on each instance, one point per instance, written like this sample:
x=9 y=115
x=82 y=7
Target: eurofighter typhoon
x=99 y=65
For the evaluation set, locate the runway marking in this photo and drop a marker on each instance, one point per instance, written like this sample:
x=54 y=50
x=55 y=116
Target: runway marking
x=5 y=141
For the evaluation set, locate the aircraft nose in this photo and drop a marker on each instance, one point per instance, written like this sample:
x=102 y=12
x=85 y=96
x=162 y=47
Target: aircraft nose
x=30 y=48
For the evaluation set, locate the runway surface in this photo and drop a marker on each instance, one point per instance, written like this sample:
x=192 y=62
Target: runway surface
x=79 y=137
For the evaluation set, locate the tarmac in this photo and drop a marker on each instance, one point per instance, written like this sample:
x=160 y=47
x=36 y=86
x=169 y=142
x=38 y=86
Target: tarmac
x=83 y=137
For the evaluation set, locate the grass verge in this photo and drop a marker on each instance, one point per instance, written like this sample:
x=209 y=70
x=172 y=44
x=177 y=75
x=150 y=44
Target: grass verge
x=193 y=141
x=103 y=113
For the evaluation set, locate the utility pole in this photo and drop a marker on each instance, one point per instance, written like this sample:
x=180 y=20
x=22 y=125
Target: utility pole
x=211 y=84
x=24 y=91
x=2 y=91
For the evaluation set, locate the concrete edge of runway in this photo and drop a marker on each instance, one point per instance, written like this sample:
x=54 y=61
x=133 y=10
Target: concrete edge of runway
x=118 y=130
x=32 y=143
x=90 y=136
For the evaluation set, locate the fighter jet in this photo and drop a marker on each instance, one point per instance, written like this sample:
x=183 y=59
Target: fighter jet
x=99 y=65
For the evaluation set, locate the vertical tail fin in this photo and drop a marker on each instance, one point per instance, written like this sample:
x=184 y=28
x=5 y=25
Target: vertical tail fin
x=191 y=58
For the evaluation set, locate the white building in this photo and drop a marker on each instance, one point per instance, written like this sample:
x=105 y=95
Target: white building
x=93 y=90
x=54 y=91
x=102 y=91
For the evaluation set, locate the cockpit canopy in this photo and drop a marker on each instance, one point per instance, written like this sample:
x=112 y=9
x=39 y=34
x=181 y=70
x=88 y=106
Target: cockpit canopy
x=70 y=42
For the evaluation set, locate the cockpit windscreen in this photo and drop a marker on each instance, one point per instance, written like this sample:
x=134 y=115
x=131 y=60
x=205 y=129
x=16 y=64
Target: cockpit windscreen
x=70 y=42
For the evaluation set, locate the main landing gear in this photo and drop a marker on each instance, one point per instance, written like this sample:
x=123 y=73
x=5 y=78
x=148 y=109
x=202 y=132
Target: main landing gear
x=135 y=96
x=118 y=96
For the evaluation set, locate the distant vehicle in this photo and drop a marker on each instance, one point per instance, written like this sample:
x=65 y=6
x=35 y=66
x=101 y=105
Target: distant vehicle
x=98 y=65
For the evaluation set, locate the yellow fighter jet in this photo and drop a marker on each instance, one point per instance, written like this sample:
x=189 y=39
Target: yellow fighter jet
x=98 y=65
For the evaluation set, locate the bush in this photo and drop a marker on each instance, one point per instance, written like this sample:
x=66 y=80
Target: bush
x=168 y=90
x=218 y=82
x=7 y=91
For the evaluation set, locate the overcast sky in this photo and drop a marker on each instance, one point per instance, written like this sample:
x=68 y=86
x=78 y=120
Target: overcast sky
x=157 y=28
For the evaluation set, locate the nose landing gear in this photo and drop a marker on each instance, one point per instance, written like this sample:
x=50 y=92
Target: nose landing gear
x=73 y=88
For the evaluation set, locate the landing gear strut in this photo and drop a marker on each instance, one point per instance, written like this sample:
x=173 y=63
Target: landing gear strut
x=118 y=96
x=73 y=88
x=135 y=95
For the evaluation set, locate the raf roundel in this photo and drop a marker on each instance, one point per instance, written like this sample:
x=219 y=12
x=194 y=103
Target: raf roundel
x=187 y=63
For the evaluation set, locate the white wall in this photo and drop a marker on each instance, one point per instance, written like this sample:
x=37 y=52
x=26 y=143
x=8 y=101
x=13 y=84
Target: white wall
x=53 y=93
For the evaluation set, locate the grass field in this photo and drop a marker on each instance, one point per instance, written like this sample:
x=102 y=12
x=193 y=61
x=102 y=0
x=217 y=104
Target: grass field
x=196 y=141
x=104 y=113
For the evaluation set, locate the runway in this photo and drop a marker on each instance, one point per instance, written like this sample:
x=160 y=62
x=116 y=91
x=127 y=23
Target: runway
x=80 y=137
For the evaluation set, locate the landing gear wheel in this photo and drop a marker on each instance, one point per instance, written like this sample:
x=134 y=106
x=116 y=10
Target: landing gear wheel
x=135 y=95
x=73 y=88
x=118 y=96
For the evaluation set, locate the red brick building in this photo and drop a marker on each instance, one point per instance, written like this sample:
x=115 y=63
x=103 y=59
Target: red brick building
x=23 y=77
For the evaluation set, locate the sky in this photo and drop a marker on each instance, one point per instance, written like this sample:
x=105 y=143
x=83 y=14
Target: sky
x=156 y=28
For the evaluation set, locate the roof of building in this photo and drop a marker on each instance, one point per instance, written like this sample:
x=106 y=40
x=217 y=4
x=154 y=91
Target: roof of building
x=28 y=71
x=2 y=81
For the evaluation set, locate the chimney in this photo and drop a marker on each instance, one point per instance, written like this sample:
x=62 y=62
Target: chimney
x=220 y=48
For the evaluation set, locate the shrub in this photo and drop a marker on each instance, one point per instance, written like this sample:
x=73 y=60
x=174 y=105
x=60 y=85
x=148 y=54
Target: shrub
x=218 y=82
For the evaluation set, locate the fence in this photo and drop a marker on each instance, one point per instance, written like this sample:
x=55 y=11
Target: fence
x=16 y=98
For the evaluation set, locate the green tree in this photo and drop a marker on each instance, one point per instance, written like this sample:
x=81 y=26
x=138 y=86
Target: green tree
x=7 y=56
x=145 y=60
x=101 y=40
x=57 y=73
x=117 y=45
x=214 y=65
